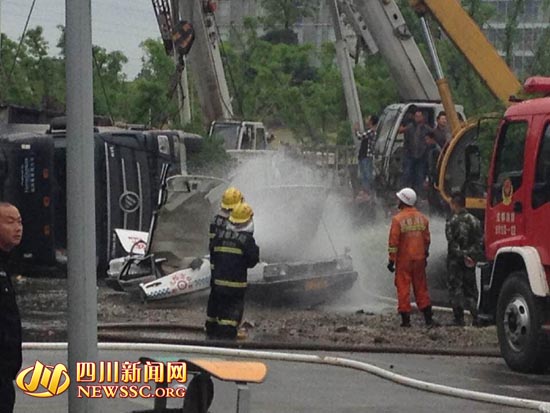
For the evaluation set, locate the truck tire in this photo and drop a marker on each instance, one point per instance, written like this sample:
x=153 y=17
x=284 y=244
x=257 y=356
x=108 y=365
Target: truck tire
x=523 y=344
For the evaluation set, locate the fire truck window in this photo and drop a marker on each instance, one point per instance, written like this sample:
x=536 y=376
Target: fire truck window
x=509 y=159
x=541 y=189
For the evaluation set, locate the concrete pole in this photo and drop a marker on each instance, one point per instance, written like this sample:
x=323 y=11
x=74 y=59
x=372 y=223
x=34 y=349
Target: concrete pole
x=0 y=27
x=82 y=289
x=346 y=71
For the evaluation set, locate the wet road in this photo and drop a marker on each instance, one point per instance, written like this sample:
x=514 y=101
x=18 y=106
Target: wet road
x=292 y=387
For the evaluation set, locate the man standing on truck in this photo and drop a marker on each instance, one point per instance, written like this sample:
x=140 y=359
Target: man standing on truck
x=408 y=248
x=11 y=232
x=442 y=133
x=233 y=251
x=415 y=152
x=366 y=153
x=464 y=236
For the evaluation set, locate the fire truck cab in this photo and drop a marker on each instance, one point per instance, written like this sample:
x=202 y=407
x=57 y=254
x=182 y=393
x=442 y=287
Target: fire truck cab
x=514 y=285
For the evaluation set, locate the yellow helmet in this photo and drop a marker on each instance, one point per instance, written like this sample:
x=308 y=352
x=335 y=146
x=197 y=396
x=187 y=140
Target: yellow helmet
x=231 y=198
x=241 y=214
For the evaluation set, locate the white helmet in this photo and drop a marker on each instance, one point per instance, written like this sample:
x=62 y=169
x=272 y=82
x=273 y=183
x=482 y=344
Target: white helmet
x=407 y=196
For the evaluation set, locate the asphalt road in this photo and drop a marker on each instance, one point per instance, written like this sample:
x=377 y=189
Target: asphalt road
x=293 y=387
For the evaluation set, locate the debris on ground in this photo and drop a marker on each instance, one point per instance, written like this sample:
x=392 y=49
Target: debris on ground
x=43 y=305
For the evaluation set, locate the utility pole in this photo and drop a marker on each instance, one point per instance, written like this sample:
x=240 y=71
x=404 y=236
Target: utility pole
x=346 y=71
x=82 y=287
x=0 y=28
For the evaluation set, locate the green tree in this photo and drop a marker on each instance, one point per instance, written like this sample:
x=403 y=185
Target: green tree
x=286 y=13
x=152 y=96
x=110 y=86
x=30 y=77
x=511 y=29
x=375 y=85
x=541 y=60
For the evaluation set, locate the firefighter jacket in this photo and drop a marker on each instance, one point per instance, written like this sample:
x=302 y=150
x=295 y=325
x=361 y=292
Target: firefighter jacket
x=409 y=236
x=464 y=236
x=10 y=324
x=219 y=223
x=231 y=255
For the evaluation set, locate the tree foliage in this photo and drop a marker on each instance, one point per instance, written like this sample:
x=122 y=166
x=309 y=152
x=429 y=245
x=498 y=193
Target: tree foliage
x=29 y=76
x=286 y=13
x=270 y=78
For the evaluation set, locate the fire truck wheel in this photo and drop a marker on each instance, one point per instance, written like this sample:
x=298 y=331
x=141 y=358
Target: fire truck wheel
x=519 y=318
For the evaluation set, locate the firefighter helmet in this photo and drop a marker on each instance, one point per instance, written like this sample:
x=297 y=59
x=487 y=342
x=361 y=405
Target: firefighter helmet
x=407 y=196
x=231 y=198
x=241 y=214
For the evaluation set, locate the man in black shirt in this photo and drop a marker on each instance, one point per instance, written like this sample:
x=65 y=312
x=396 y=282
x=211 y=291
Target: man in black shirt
x=442 y=133
x=415 y=152
x=11 y=231
x=366 y=153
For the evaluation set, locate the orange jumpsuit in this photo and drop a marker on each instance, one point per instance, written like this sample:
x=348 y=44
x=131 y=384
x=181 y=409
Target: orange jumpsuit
x=408 y=247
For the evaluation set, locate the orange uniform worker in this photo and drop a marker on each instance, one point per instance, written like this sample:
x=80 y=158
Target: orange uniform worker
x=409 y=243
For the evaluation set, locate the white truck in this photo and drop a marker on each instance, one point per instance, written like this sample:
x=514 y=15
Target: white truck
x=241 y=135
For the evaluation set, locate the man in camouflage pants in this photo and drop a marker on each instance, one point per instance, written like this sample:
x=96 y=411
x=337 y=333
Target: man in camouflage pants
x=464 y=236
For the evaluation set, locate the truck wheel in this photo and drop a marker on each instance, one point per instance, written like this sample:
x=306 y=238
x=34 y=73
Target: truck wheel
x=519 y=318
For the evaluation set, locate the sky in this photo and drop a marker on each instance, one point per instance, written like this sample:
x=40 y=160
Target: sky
x=116 y=24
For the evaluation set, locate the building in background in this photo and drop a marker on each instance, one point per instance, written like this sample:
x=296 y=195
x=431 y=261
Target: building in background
x=531 y=24
x=318 y=29
x=315 y=30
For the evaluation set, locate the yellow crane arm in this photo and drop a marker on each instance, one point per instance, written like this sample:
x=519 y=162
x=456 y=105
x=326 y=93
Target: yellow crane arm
x=472 y=43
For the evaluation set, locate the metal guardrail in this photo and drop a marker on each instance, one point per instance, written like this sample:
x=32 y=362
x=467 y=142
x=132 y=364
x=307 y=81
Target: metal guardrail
x=337 y=163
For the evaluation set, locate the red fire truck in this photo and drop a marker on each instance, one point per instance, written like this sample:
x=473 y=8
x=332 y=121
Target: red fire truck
x=515 y=282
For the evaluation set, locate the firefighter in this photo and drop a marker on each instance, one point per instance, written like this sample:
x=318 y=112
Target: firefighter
x=230 y=199
x=464 y=237
x=409 y=242
x=11 y=231
x=234 y=250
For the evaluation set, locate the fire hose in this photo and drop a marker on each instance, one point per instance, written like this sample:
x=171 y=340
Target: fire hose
x=538 y=405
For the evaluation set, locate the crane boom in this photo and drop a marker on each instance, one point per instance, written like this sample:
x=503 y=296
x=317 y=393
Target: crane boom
x=164 y=20
x=206 y=64
x=398 y=48
x=346 y=71
x=466 y=35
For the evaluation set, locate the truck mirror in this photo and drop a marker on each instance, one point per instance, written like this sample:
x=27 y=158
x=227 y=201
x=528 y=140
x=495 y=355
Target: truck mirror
x=473 y=163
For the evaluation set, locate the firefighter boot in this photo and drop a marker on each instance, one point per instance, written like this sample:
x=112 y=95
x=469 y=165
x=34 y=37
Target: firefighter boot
x=458 y=317
x=405 y=319
x=428 y=317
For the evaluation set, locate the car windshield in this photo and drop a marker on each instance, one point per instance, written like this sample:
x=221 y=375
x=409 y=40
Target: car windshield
x=229 y=132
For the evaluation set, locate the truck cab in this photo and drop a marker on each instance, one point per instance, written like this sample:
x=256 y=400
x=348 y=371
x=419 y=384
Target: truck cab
x=517 y=223
x=240 y=135
x=389 y=142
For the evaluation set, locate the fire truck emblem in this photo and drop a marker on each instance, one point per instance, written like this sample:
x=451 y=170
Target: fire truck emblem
x=507 y=192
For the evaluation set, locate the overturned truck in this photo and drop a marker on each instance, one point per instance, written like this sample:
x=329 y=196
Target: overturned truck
x=172 y=259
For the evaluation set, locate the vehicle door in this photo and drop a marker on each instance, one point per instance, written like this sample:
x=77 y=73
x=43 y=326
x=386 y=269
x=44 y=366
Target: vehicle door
x=505 y=223
x=387 y=156
x=538 y=218
x=248 y=138
x=261 y=142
